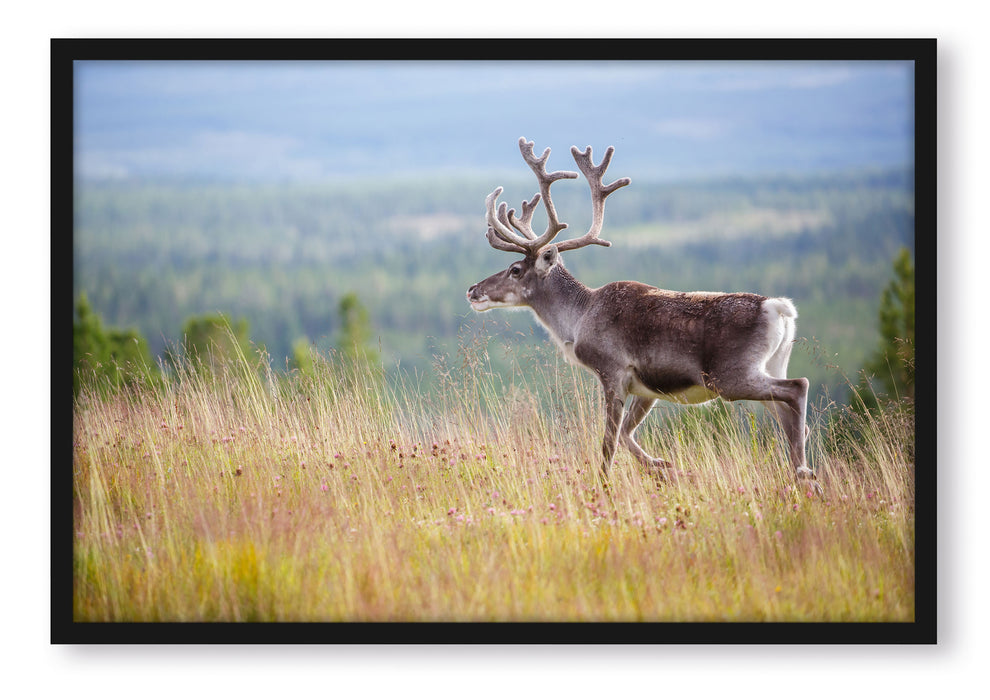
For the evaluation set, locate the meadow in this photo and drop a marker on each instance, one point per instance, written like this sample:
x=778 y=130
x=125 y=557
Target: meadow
x=232 y=493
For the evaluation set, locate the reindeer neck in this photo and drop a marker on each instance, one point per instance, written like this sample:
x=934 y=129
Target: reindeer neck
x=560 y=302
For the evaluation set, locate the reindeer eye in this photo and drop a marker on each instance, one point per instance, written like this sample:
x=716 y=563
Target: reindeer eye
x=514 y=271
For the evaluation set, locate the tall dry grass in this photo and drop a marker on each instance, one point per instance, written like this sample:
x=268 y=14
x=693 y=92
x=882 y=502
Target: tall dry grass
x=236 y=494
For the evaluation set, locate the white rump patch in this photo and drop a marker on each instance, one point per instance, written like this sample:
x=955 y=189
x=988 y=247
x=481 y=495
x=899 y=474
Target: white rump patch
x=781 y=306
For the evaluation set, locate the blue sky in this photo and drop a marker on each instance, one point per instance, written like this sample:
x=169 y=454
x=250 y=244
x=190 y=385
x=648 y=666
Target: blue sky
x=263 y=121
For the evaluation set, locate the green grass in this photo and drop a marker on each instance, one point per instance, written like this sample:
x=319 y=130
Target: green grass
x=238 y=495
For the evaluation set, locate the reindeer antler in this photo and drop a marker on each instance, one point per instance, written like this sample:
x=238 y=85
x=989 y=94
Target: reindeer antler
x=599 y=191
x=502 y=221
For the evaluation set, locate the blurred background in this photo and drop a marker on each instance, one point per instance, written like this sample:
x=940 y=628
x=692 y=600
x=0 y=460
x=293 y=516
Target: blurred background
x=319 y=205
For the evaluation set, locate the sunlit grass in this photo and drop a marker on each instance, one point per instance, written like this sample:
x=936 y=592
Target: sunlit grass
x=240 y=495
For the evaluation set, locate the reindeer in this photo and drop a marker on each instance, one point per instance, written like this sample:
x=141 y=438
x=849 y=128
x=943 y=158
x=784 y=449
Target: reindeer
x=641 y=341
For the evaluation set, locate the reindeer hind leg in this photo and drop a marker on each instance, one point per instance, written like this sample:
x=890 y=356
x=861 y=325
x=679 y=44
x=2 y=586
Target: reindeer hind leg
x=788 y=400
x=790 y=403
x=637 y=412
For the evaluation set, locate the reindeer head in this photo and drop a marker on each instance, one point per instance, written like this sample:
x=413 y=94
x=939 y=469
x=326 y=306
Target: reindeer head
x=515 y=285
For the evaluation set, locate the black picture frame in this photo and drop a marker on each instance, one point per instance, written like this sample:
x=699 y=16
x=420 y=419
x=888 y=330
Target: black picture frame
x=923 y=52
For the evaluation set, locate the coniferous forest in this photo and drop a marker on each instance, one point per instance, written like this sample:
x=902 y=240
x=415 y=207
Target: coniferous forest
x=282 y=261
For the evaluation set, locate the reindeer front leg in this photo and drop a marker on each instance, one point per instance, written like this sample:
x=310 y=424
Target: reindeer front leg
x=614 y=403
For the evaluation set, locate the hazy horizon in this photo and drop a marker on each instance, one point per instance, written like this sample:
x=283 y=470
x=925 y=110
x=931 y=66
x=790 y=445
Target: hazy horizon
x=264 y=121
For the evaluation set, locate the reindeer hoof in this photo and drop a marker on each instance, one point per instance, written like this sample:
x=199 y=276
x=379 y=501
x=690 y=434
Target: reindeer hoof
x=659 y=468
x=604 y=482
x=807 y=477
x=663 y=472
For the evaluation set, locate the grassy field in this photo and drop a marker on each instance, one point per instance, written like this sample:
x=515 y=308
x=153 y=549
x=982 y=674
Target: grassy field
x=230 y=494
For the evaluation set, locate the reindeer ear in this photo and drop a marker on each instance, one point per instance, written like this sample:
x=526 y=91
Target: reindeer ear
x=546 y=260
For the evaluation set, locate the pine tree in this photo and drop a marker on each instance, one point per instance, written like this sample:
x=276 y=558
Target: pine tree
x=303 y=356
x=213 y=338
x=112 y=355
x=890 y=370
x=355 y=333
